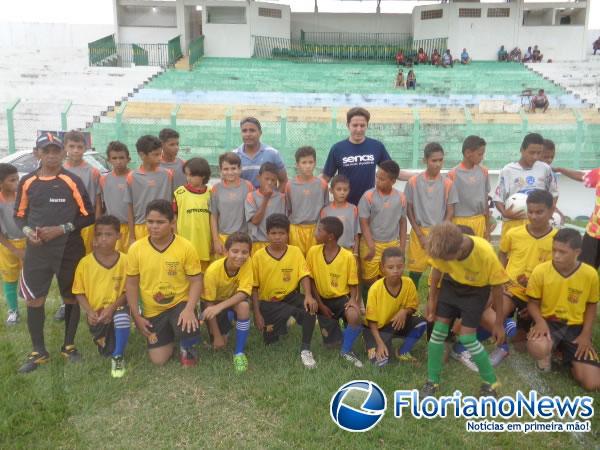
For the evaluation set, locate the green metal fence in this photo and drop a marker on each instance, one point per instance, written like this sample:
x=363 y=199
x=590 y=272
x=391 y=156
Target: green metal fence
x=102 y=51
x=105 y=52
x=282 y=48
x=174 y=49
x=196 y=51
x=345 y=38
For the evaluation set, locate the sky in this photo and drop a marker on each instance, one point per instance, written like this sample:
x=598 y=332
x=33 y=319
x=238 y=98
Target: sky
x=100 y=11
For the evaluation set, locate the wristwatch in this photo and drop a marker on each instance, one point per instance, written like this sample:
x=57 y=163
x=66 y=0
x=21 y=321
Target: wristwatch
x=68 y=227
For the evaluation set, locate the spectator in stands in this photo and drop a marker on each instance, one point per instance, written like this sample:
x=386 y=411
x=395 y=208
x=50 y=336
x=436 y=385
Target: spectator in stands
x=537 y=54
x=411 y=80
x=596 y=45
x=539 y=101
x=515 y=54
x=464 y=57
x=527 y=57
x=435 y=58
x=502 y=54
x=447 y=59
x=400 y=79
x=421 y=57
x=400 y=60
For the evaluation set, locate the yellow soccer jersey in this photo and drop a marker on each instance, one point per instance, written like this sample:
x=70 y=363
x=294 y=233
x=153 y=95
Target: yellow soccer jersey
x=163 y=274
x=332 y=279
x=101 y=285
x=193 y=219
x=480 y=268
x=276 y=278
x=219 y=285
x=524 y=252
x=382 y=305
x=564 y=298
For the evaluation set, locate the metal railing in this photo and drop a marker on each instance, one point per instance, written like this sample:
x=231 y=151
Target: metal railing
x=105 y=52
x=345 y=38
x=196 y=51
x=102 y=51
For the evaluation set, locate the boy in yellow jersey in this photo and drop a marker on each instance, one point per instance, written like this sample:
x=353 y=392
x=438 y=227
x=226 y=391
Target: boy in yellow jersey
x=472 y=184
x=12 y=241
x=192 y=206
x=391 y=305
x=563 y=297
x=382 y=215
x=227 y=202
x=227 y=288
x=164 y=275
x=335 y=286
x=305 y=196
x=465 y=271
x=99 y=287
x=279 y=269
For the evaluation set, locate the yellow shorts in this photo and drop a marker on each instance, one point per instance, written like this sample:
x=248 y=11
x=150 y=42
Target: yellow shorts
x=476 y=223
x=417 y=256
x=87 y=234
x=10 y=265
x=256 y=246
x=123 y=242
x=370 y=270
x=510 y=224
x=141 y=230
x=303 y=236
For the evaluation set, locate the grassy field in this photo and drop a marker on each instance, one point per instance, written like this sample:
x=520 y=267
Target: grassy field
x=276 y=404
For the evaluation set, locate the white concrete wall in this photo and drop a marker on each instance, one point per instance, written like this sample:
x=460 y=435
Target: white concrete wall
x=347 y=22
x=51 y=35
x=146 y=35
x=559 y=42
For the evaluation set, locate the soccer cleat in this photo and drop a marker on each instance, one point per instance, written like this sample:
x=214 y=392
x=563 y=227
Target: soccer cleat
x=545 y=364
x=406 y=357
x=352 y=359
x=307 y=359
x=489 y=390
x=34 y=359
x=188 y=357
x=465 y=358
x=70 y=353
x=497 y=356
x=117 y=369
x=59 y=316
x=240 y=363
x=429 y=389
x=12 y=318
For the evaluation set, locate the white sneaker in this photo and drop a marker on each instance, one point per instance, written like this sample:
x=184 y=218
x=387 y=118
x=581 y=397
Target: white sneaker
x=353 y=359
x=465 y=358
x=13 y=317
x=497 y=356
x=307 y=359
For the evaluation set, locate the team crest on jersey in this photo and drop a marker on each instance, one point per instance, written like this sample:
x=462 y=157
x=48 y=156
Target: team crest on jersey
x=573 y=295
x=286 y=275
x=470 y=275
x=117 y=280
x=172 y=268
x=334 y=279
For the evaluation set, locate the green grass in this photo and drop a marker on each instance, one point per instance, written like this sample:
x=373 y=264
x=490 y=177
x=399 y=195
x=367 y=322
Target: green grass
x=276 y=404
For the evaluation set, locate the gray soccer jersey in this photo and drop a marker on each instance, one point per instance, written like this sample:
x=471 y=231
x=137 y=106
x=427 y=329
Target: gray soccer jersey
x=176 y=167
x=254 y=199
x=348 y=214
x=472 y=188
x=143 y=187
x=113 y=189
x=8 y=227
x=227 y=203
x=305 y=199
x=384 y=213
x=515 y=178
x=90 y=177
x=430 y=198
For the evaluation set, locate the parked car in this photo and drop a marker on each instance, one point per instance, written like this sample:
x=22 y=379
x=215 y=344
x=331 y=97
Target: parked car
x=25 y=162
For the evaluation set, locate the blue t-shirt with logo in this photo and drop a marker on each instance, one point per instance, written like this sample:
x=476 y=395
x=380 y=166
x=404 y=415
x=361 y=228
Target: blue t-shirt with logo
x=358 y=162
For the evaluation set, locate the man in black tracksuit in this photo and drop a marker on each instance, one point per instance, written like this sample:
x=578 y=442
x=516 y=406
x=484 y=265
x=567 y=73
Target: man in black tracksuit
x=52 y=206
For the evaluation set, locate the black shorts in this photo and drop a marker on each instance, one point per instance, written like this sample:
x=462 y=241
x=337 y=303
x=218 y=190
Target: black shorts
x=276 y=314
x=590 y=251
x=42 y=263
x=223 y=322
x=520 y=305
x=165 y=328
x=103 y=334
x=330 y=328
x=459 y=300
x=563 y=336
x=388 y=333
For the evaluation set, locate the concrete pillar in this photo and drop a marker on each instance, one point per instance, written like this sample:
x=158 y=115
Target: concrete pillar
x=181 y=25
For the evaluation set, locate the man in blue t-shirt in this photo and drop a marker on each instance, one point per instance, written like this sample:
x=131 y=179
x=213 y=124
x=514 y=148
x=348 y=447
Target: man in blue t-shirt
x=356 y=157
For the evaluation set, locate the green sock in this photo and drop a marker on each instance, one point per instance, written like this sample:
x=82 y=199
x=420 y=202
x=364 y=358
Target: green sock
x=10 y=293
x=480 y=356
x=435 y=351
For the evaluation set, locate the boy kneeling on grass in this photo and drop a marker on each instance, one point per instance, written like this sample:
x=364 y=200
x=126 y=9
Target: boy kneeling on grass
x=279 y=269
x=391 y=305
x=164 y=270
x=99 y=287
x=563 y=294
x=227 y=288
